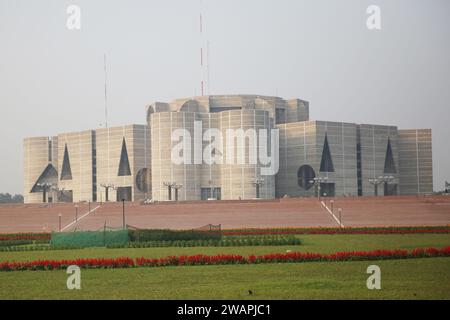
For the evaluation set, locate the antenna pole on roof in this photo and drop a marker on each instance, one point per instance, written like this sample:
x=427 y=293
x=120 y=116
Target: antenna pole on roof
x=106 y=92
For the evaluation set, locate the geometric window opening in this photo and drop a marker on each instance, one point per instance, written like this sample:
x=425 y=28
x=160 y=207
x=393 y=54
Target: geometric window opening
x=305 y=176
x=124 y=165
x=48 y=176
x=66 y=171
x=326 y=164
x=143 y=180
x=389 y=164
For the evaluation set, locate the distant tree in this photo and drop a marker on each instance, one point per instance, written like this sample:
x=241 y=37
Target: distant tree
x=18 y=198
x=5 y=198
x=8 y=198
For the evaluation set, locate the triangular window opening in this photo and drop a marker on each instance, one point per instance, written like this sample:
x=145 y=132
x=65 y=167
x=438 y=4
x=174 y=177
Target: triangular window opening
x=124 y=165
x=326 y=164
x=389 y=164
x=66 y=171
x=49 y=175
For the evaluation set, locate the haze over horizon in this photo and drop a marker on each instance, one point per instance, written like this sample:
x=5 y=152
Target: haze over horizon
x=52 y=78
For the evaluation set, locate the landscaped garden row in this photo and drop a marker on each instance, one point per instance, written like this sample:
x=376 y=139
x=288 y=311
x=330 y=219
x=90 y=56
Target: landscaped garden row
x=171 y=235
x=24 y=236
x=346 y=230
x=231 y=241
x=265 y=240
x=223 y=259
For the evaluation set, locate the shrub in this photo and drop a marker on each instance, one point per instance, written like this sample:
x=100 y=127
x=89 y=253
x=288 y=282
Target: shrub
x=225 y=242
x=172 y=235
x=9 y=243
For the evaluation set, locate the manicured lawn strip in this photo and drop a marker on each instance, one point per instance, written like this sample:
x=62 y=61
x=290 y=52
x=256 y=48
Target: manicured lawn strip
x=310 y=243
x=401 y=279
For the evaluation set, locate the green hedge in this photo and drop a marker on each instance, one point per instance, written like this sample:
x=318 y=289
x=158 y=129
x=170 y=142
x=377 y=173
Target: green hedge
x=231 y=242
x=39 y=247
x=172 y=235
x=9 y=243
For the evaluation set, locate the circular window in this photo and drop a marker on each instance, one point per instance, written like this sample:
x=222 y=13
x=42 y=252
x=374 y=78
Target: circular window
x=143 y=180
x=305 y=176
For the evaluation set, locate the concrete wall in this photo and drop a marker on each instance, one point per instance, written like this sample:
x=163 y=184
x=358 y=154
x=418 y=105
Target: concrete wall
x=109 y=149
x=238 y=178
x=164 y=170
x=302 y=143
x=235 y=180
x=36 y=158
x=416 y=161
x=374 y=141
x=79 y=147
x=210 y=175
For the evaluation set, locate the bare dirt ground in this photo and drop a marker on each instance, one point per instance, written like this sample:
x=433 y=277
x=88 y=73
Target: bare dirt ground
x=289 y=212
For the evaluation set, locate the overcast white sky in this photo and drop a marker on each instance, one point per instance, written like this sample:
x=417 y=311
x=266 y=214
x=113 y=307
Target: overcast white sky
x=51 y=79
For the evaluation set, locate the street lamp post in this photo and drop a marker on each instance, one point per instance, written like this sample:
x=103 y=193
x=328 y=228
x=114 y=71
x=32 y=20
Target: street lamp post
x=169 y=186
x=317 y=181
x=59 y=216
x=380 y=180
x=172 y=185
x=258 y=183
x=123 y=213
x=375 y=182
x=76 y=213
x=177 y=187
x=107 y=186
x=340 y=217
x=45 y=188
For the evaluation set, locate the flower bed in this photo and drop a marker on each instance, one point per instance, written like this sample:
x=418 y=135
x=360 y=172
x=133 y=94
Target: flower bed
x=25 y=236
x=63 y=264
x=222 y=259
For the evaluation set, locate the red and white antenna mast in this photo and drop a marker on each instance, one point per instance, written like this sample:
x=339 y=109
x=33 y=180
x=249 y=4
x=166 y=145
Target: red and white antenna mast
x=203 y=56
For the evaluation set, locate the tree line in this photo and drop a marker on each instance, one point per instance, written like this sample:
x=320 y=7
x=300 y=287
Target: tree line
x=8 y=198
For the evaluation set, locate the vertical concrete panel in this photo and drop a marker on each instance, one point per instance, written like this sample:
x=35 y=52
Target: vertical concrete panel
x=416 y=161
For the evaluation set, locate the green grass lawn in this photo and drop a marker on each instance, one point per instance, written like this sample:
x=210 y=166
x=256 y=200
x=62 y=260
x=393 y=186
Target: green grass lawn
x=400 y=279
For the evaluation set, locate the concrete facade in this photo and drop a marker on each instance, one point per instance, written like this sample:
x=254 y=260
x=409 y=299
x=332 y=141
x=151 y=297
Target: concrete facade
x=75 y=166
x=116 y=147
x=136 y=162
x=374 y=140
x=416 y=162
x=302 y=144
x=40 y=163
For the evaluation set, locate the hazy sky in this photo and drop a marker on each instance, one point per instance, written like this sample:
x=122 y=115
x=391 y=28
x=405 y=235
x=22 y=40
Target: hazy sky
x=51 y=79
